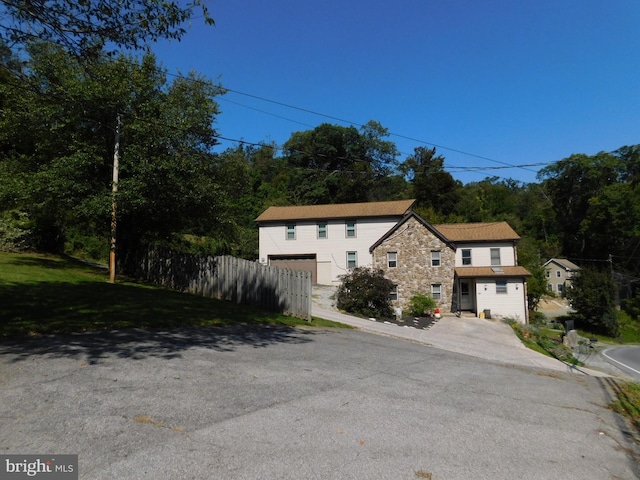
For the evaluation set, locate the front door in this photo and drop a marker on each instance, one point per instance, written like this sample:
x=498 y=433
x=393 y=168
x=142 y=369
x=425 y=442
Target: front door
x=466 y=295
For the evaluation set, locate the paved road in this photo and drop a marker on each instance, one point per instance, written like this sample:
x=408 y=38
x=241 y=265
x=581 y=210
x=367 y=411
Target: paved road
x=265 y=402
x=626 y=358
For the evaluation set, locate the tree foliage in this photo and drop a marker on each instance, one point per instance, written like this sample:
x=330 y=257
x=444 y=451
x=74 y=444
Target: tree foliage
x=593 y=297
x=336 y=164
x=431 y=186
x=87 y=26
x=57 y=139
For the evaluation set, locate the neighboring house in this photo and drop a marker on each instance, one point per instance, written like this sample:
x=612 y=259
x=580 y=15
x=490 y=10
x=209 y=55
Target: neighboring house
x=326 y=240
x=464 y=267
x=559 y=274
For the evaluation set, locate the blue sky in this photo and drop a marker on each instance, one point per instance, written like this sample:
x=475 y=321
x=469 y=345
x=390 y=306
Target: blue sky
x=489 y=82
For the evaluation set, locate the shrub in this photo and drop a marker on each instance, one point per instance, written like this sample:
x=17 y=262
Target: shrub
x=365 y=292
x=419 y=304
x=537 y=318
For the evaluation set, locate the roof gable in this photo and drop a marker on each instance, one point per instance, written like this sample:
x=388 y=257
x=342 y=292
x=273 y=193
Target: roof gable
x=343 y=210
x=564 y=263
x=404 y=220
x=478 y=232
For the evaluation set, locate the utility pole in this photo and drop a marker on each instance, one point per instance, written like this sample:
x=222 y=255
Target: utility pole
x=114 y=192
x=615 y=283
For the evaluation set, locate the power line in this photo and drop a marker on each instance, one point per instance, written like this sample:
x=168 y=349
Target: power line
x=424 y=142
x=223 y=90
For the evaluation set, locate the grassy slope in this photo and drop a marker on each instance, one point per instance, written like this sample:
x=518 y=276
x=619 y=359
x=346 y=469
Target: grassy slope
x=48 y=294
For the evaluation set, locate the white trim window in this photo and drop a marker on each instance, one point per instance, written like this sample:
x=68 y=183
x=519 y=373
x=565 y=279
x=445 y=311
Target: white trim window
x=466 y=256
x=392 y=259
x=436 y=291
x=558 y=274
x=350 y=228
x=352 y=259
x=322 y=230
x=501 y=286
x=495 y=257
x=435 y=258
x=291 y=231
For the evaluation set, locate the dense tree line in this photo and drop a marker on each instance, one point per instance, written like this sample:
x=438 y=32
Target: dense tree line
x=58 y=125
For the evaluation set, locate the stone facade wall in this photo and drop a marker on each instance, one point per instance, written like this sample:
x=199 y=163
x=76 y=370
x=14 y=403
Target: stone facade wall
x=413 y=242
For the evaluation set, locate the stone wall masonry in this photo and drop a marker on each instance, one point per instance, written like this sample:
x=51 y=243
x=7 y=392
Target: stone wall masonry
x=413 y=243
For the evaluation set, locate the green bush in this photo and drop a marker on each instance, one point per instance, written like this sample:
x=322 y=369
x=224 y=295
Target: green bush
x=89 y=247
x=365 y=292
x=537 y=318
x=419 y=304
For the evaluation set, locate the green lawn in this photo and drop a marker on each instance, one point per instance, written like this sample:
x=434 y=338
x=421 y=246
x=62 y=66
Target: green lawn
x=48 y=294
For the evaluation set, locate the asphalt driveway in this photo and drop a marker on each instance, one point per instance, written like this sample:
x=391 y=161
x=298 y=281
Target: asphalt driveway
x=265 y=402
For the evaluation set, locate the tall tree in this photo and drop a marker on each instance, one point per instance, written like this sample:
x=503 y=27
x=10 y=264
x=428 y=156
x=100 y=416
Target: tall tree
x=593 y=297
x=577 y=186
x=57 y=142
x=433 y=187
x=336 y=164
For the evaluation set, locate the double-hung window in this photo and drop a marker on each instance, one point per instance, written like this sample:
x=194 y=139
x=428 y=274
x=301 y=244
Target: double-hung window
x=495 y=257
x=352 y=259
x=501 y=286
x=435 y=258
x=466 y=256
x=322 y=230
x=436 y=291
x=291 y=231
x=350 y=228
x=392 y=259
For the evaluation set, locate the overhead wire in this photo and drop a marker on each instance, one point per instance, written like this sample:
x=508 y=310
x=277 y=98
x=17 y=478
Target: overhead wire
x=449 y=168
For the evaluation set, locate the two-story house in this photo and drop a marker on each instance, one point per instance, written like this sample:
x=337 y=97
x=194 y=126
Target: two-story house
x=560 y=272
x=464 y=267
x=326 y=240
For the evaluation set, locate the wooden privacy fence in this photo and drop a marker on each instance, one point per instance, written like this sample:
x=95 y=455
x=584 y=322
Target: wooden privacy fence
x=230 y=278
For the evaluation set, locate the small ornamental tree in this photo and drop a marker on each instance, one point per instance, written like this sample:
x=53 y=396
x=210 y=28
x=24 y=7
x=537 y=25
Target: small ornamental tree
x=365 y=292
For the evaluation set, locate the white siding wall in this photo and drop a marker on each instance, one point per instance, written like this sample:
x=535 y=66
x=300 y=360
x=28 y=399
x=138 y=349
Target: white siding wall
x=511 y=304
x=481 y=254
x=331 y=252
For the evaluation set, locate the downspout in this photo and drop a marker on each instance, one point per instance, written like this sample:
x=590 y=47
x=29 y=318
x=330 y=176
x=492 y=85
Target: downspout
x=526 y=303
